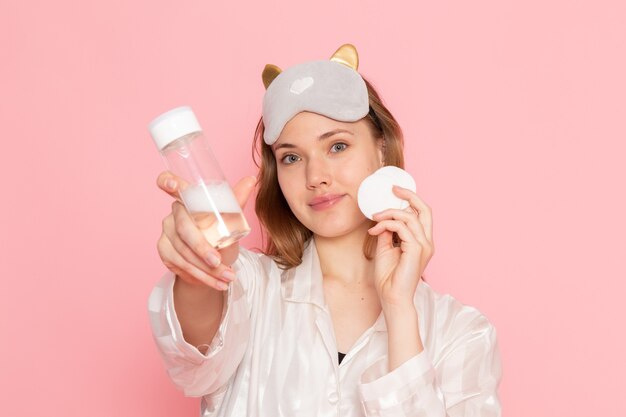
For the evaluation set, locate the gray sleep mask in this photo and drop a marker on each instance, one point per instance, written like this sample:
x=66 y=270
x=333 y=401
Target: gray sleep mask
x=331 y=88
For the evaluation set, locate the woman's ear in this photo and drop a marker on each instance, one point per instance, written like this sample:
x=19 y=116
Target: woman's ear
x=380 y=142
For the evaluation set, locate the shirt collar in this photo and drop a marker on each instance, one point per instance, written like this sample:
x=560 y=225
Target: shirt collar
x=304 y=283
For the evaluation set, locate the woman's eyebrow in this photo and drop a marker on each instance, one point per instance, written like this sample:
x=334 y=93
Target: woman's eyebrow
x=333 y=132
x=320 y=137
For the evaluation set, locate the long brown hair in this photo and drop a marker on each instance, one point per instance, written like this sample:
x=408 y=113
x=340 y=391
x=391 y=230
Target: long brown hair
x=283 y=233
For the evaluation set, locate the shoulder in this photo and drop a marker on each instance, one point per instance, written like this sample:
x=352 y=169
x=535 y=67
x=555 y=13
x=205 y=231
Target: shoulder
x=255 y=262
x=256 y=258
x=462 y=346
x=449 y=318
x=248 y=255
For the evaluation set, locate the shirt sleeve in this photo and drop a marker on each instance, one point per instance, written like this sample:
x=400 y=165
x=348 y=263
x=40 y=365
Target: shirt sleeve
x=463 y=382
x=193 y=372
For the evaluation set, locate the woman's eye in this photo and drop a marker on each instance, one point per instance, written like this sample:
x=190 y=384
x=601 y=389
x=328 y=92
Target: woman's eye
x=289 y=159
x=338 y=147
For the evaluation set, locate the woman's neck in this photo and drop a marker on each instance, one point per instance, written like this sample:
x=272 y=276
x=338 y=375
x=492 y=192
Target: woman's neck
x=342 y=257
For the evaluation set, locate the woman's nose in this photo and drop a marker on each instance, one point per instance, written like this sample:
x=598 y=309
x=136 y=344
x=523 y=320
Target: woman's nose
x=317 y=174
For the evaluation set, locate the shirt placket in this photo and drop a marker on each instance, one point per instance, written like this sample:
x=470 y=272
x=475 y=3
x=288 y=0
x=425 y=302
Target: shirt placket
x=324 y=326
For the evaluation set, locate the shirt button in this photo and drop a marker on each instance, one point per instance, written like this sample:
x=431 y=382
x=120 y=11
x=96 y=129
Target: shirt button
x=333 y=397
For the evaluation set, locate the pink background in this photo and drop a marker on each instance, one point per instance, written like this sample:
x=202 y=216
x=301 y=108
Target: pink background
x=514 y=116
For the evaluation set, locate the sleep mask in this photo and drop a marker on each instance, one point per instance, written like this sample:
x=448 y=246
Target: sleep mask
x=332 y=88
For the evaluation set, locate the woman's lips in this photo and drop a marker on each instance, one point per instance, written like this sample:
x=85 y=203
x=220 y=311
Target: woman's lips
x=321 y=203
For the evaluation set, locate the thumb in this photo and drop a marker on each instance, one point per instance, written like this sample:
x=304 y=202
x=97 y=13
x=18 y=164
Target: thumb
x=171 y=184
x=243 y=190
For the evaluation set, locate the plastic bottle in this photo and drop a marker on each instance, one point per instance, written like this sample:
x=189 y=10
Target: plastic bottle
x=206 y=194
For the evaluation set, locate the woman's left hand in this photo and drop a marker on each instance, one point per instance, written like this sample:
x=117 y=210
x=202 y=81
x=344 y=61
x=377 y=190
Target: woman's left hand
x=398 y=270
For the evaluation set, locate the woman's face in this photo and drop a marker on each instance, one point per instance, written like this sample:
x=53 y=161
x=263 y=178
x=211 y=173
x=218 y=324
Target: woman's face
x=320 y=164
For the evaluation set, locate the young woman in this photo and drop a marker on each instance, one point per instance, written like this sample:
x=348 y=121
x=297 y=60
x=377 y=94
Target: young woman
x=334 y=319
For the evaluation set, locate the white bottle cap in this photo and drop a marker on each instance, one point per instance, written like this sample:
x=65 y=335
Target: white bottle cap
x=172 y=125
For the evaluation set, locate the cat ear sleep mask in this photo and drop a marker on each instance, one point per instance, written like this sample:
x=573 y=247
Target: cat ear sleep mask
x=332 y=88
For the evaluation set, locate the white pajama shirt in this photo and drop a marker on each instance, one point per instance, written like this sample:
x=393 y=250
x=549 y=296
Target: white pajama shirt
x=275 y=354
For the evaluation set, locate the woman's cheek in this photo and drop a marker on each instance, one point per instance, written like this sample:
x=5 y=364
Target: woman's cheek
x=281 y=181
x=288 y=188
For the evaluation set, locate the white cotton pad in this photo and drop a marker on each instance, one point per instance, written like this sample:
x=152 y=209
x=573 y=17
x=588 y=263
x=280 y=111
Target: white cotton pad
x=376 y=193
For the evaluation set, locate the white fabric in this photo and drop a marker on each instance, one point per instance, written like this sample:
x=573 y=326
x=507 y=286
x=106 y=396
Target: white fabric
x=275 y=353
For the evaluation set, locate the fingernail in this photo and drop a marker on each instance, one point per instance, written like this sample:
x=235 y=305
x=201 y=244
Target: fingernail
x=222 y=286
x=213 y=259
x=171 y=184
x=229 y=275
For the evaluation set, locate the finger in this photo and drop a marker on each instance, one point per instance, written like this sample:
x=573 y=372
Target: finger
x=171 y=184
x=410 y=218
x=243 y=189
x=401 y=229
x=187 y=271
x=424 y=211
x=186 y=258
x=189 y=257
x=384 y=241
x=189 y=240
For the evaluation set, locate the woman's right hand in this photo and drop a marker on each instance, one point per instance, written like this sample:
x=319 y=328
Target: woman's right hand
x=182 y=246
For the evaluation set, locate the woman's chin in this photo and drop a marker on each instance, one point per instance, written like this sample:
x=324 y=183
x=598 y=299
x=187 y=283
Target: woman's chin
x=330 y=231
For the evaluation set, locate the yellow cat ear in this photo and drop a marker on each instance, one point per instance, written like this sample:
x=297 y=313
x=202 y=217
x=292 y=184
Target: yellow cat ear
x=269 y=73
x=347 y=55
